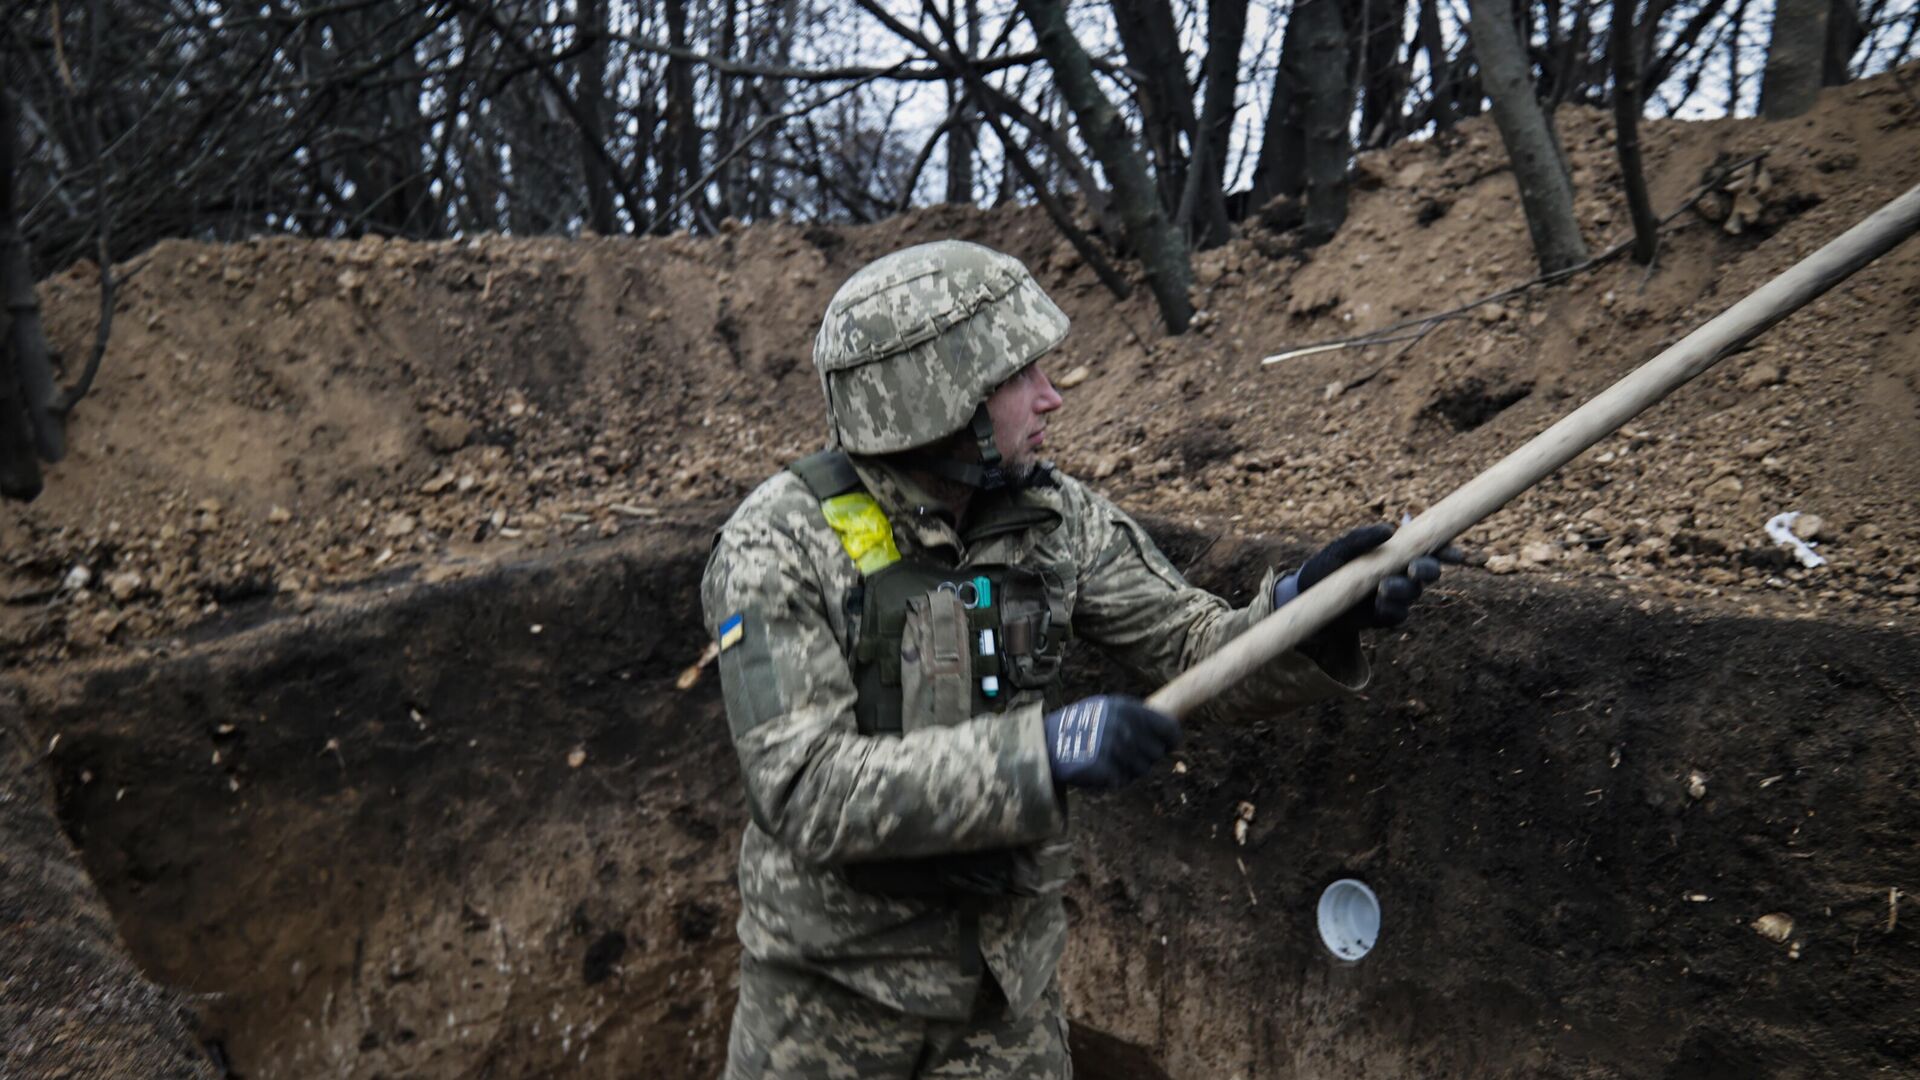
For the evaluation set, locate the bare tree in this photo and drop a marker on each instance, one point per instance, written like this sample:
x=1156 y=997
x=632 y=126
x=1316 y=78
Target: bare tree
x=1813 y=43
x=162 y=118
x=29 y=396
x=1162 y=253
x=19 y=465
x=1383 y=73
x=1327 y=76
x=1546 y=192
x=1161 y=90
x=1443 y=93
x=1624 y=44
x=1203 y=204
x=963 y=131
x=591 y=74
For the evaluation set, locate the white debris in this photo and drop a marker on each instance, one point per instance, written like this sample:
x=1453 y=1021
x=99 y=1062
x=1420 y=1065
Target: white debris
x=1780 y=529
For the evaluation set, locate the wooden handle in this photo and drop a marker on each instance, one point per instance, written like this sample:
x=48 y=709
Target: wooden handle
x=1544 y=453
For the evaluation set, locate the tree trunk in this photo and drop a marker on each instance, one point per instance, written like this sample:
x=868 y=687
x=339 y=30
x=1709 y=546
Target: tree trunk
x=1384 y=83
x=1444 y=109
x=1546 y=193
x=1733 y=57
x=592 y=71
x=959 y=139
x=680 y=156
x=1328 y=79
x=1844 y=35
x=1282 y=167
x=1624 y=44
x=1018 y=161
x=1203 y=202
x=408 y=209
x=19 y=469
x=1790 y=82
x=963 y=136
x=731 y=124
x=771 y=95
x=28 y=366
x=1163 y=255
x=1152 y=45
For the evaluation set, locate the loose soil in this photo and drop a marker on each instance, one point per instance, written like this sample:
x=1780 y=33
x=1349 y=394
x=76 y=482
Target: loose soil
x=349 y=641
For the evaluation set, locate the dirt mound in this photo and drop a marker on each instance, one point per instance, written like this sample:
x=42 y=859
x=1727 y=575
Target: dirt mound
x=278 y=417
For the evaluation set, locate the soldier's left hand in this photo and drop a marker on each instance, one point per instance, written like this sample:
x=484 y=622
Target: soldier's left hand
x=1390 y=604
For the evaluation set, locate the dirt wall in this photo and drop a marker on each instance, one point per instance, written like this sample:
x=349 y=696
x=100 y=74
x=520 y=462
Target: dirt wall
x=475 y=827
x=1519 y=787
x=72 y=1001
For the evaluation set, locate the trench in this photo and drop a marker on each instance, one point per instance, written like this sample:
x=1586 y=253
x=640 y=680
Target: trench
x=475 y=828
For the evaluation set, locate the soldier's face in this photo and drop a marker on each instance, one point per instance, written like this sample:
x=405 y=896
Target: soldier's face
x=1020 y=408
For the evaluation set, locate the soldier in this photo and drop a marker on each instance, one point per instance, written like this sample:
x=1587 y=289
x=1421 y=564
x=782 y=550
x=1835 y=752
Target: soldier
x=890 y=613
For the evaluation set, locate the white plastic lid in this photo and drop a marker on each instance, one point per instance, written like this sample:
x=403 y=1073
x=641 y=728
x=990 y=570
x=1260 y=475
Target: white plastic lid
x=1349 y=919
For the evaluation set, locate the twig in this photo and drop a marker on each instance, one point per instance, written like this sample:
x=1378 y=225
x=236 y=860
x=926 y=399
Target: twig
x=759 y=129
x=955 y=115
x=1201 y=554
x=31 y=596
x=925 y=155
x=1411 y=341
x=1016 y=155
x=1388 y=334
x=60 y=52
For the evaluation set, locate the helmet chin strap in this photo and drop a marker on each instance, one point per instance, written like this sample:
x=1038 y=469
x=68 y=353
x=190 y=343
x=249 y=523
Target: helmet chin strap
x=987 y=474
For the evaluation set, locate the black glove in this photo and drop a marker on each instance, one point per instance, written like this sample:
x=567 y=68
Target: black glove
x=1387 y=607
x=1107 y=740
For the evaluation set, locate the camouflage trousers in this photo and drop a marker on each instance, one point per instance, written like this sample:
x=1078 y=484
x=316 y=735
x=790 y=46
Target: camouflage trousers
x=793 y=1023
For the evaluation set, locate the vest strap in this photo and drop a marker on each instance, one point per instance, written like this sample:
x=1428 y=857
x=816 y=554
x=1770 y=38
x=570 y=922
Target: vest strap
x=827 y=473
x=863 y=528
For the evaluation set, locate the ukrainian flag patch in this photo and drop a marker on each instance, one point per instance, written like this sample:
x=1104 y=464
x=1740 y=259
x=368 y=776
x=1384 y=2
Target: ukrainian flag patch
x=731 y=631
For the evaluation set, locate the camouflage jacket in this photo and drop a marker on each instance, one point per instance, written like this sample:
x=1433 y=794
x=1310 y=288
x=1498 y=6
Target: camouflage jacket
x=821 y=794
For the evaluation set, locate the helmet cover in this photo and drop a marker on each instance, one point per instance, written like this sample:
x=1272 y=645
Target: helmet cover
x=916 y=340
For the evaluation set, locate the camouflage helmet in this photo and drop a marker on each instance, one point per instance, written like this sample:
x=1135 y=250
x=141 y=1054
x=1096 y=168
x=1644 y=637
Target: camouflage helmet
x=916 y=340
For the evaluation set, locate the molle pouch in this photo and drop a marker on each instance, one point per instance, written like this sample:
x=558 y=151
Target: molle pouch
x=936 y=670
x=1034 y=626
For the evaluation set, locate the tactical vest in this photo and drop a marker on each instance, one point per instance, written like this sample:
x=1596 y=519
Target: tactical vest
x=938 y=645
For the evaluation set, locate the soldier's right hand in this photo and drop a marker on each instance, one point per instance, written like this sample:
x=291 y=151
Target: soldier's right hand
x=1107 y=740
